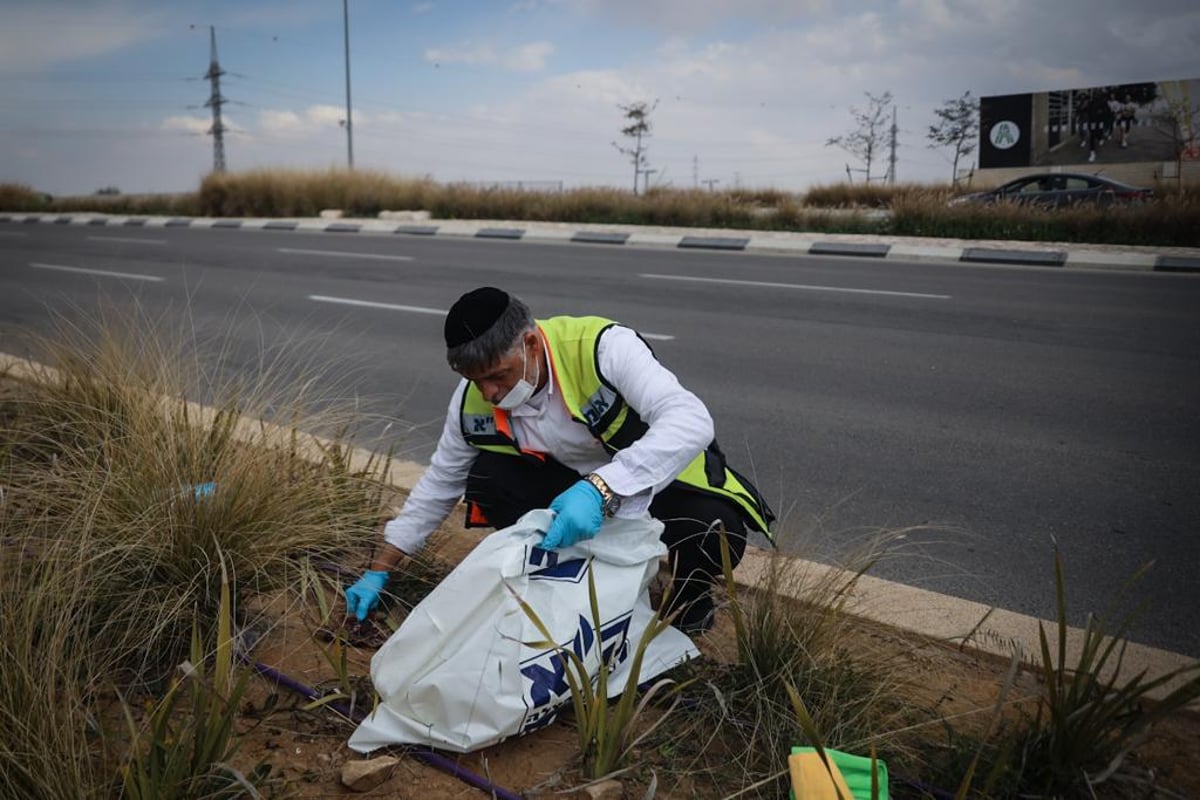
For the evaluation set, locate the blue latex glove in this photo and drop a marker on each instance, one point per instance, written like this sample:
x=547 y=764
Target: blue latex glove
x=364 y=595
x=577 y=515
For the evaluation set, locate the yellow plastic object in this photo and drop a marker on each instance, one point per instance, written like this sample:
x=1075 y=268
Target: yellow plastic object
x=812 y=779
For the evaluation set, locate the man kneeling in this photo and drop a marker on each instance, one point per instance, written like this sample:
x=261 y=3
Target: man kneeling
x=575 y=414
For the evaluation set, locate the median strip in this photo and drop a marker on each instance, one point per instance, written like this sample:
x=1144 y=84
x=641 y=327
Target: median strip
x=1082 y=256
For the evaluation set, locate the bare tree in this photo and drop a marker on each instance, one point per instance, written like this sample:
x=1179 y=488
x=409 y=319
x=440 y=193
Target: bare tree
x=637 y=115
x=871 y=131
x=957 y=127
x=1183 y=116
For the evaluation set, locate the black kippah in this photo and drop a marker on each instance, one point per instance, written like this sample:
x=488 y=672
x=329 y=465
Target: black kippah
x=473 y=313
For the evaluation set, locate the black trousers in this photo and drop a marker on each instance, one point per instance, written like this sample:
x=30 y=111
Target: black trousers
x=503 y=487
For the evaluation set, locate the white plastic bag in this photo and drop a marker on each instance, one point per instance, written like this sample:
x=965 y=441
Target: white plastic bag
x=456 y=674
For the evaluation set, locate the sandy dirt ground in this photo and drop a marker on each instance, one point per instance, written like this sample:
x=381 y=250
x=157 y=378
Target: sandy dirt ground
x=308 y=748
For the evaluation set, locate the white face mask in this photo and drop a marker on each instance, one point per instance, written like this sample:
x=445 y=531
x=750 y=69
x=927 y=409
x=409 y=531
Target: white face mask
x=520 y=393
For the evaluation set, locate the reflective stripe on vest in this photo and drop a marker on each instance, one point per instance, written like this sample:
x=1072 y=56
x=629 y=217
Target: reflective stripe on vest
x=571 y=346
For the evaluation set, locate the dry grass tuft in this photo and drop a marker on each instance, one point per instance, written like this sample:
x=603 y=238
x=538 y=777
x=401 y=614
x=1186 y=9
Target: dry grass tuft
x=124 y=507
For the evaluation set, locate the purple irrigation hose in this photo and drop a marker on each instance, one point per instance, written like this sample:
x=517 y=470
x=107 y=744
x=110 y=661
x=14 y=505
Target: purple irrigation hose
x=430 y=757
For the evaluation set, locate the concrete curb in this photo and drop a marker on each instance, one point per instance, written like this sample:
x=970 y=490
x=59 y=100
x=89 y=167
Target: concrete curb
x=768 y=242
x=977 y=627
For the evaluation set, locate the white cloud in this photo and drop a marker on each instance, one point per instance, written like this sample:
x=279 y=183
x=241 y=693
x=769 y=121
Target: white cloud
x=34 y=36
x=678 y=16
x=525 y=58
x=186 y=124
x=198 y=125
x=276 y=122
x=422 y=8
x=325 y=115
x=533 y=6
x=528 y=57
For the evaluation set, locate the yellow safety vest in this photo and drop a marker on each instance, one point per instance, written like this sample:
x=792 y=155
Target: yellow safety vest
x=592 y=401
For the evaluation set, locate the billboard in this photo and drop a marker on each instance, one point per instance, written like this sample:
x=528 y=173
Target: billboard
x=1120 y=124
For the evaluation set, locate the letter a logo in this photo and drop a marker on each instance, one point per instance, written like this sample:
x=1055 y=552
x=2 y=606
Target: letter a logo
x=1004 y=134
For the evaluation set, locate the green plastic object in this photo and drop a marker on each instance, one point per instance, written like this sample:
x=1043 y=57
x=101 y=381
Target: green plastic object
x=857 y=772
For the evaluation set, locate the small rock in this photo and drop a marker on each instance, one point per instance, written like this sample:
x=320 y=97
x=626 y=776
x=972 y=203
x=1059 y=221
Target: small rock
x=332 y=213
x=363 y=776
x=611 y=789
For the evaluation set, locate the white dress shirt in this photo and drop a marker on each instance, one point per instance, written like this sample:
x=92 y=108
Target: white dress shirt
x=680 y=427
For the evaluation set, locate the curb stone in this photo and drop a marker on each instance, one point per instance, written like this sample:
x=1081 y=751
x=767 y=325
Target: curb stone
x=1179 y=260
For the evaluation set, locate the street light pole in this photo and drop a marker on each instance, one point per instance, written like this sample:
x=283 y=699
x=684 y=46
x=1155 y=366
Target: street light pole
x=349 y=118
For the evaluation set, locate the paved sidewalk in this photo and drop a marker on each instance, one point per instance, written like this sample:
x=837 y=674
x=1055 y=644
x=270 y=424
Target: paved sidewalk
x=895 y=248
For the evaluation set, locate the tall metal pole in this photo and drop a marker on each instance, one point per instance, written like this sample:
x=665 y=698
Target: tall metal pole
x=349 y=118
x=215 y=100
x=892 y=158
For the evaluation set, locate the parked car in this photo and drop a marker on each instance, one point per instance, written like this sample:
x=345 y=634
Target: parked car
x=1059 y=189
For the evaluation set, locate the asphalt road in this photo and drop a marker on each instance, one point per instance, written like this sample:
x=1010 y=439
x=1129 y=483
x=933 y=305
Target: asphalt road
x=995 y=409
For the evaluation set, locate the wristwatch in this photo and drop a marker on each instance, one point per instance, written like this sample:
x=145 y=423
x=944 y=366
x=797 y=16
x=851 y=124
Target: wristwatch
x=609 y=500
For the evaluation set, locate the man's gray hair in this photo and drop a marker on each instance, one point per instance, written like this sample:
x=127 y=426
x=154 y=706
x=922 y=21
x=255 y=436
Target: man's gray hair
x=494 y=343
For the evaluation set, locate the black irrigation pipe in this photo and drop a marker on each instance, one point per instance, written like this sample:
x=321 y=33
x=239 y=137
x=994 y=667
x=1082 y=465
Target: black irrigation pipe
x=430 y=757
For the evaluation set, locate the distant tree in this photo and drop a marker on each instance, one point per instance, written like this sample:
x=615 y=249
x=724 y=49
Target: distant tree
x=1184 y=120
x=870 y=134
x=957 y=127
x=108 y=190
x=637 y=115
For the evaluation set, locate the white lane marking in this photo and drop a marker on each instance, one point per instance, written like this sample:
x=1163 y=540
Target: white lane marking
x=100 y=272
x=805 y=287
x=342 y=254
x=441 y=312
x=345 y=301
x=127 y=239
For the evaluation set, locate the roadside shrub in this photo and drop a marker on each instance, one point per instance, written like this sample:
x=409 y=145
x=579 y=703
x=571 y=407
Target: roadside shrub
x=793 y=635
x=19 y=197
x=1173 y=220
x=872 y=195
x=905 y=210
x=1091 y=716
x=305 y=193
x=130 y=515
x=182 y=205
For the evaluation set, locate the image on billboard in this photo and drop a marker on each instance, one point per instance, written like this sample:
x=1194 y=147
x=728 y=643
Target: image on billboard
x=1119 y=124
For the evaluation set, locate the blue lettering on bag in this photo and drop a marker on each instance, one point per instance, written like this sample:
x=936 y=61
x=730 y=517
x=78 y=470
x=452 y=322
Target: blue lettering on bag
x=547 y=671
x=567 y=571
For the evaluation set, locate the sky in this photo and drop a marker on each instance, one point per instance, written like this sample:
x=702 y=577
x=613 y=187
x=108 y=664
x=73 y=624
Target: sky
x=100 y=93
